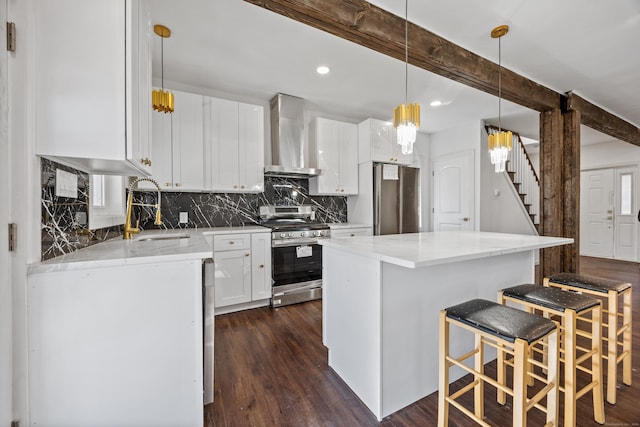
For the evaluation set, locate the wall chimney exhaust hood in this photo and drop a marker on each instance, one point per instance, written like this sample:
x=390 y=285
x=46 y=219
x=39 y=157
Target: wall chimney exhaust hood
x=289 y=149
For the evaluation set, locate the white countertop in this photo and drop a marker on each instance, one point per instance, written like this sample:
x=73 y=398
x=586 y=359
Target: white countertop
x=118 y=251
x=415 y=250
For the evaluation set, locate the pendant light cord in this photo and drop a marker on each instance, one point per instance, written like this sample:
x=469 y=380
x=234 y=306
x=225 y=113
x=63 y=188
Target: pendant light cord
x=162 y=61
x=406 y=51
x=499 y=84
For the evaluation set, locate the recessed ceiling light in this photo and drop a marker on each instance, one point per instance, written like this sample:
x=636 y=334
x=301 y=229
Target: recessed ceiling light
x=323 y=69
x=436 y=103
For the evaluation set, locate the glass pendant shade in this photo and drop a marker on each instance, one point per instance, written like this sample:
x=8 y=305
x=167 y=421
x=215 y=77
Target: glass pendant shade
x=406 y=120
x=500 y=143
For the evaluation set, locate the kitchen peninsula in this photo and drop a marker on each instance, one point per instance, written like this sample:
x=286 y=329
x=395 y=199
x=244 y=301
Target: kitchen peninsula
x=382 y=296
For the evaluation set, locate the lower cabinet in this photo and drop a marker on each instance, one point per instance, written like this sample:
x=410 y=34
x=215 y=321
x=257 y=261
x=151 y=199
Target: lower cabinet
x=243 y=269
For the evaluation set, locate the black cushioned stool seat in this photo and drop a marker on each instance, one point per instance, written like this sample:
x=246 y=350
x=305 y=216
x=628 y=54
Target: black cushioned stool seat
x=504 y=322
x=592 y=283
x=510 y=331
x=617 y=339
x=568 y=307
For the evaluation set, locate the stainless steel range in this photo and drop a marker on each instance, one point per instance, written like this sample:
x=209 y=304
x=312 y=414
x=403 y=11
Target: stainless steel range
x=296 y=256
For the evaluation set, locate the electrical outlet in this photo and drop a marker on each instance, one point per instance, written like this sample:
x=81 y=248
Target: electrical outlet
x=184 y=217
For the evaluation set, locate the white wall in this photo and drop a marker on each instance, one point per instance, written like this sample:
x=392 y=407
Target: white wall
x=25 y=191
x=608 y=154
x=466 y=136
x=422 y=157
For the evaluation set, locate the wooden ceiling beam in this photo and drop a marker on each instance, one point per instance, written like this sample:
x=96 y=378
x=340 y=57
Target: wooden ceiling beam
x=603 y=121
x=370 y=26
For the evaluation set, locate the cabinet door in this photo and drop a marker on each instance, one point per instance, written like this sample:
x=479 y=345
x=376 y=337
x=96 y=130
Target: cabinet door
x=351 y=232
x=348 y=158
x=251 y=147
x=80 y=79
x=233 y=277
x=327 y=135
x=187 y=140
x=162 y=151
x=260 y=266
x=382 y=138
x=139 y=32
x=221 y=136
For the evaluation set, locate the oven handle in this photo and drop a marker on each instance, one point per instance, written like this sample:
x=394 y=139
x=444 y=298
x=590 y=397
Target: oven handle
x=297 y=242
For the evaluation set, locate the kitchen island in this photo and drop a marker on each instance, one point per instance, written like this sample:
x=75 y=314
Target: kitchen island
x=382 y=296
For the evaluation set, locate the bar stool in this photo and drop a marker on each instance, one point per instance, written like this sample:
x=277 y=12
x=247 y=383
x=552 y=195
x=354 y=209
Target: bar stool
x=569 y=307
x=508 y=330
x=610 y=291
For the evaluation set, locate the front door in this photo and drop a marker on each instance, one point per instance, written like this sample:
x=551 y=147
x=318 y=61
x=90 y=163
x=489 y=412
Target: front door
x=453 y=191
x=608 y=213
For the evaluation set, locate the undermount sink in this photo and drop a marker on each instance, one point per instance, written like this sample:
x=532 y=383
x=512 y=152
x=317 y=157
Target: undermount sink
x=164 y=236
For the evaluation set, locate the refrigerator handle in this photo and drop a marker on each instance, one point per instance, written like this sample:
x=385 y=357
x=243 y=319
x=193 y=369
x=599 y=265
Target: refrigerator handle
x=377 y=183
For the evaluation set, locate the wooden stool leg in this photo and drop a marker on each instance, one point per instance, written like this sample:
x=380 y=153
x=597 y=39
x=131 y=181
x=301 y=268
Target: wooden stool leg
x=612 y=346
x=443 y=368
x=501 y=367
x=596 y=365
x=626 y=338
x=478 y=390
x=569 y=347
x=521 y=350
x=554 y=378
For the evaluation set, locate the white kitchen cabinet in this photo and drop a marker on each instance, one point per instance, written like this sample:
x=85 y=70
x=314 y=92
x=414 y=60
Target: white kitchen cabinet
x=260 y=266
x=233 y=277
x=243 y=269
x=234 y=146
x=92 y=63
x=351 y=232
x=334 y=148
x=377 y=143
x=178 y=145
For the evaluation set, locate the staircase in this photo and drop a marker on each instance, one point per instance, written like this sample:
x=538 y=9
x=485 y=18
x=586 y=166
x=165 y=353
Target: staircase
x=523 y=177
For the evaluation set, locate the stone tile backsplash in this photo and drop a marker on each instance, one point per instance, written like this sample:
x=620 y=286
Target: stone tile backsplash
x=65 y=226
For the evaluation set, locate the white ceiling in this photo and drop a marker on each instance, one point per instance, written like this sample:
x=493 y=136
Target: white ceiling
x=588 y=46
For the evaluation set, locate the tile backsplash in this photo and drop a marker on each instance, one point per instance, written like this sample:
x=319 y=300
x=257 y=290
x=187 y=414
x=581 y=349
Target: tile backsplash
x=64 y=219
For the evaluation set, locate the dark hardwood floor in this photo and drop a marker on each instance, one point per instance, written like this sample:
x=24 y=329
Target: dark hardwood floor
x=271 y=370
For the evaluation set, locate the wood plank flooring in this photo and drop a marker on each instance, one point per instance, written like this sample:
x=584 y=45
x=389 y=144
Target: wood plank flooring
x=271 y=370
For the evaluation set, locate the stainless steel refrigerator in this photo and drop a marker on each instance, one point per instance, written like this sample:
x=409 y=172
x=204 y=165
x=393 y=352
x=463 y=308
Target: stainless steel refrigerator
x=396 y=199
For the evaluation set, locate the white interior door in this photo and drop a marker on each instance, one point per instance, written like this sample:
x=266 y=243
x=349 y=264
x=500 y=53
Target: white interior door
x=626 y=214
x=453 y=195
x=596 y=213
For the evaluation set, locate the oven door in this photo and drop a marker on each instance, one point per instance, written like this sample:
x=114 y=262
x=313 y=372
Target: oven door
x=296 y=273
x=296 y=264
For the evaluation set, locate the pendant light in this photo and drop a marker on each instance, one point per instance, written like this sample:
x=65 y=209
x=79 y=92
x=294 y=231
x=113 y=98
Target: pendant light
x=406 y=117
x=500 y=142
x=162 y=100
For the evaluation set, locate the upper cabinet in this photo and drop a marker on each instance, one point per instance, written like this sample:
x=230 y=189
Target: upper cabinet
x=334 y=149
x=178 y=144
x=377 y=143
x=93 y=84
x=234 y=146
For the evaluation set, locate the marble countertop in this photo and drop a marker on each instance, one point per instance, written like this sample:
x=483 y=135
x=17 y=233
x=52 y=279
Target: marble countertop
x=118 y=251
x=415 y=250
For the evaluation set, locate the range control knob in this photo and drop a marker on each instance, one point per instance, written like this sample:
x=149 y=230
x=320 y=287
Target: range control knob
x=290 y=235
x=317 y=233
x=283 y=235
x=303 y=234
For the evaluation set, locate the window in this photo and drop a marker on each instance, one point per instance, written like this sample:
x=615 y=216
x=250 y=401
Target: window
x=625 y=193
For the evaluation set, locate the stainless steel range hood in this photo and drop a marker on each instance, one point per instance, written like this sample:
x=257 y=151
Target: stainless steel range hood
x=289 y=148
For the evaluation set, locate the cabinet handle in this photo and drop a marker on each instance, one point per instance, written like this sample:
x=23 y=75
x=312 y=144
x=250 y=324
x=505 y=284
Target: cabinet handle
x=247 y=254
x=235 y=186
x=352 y=234
x=177 y=184
x=149 y=160
x=231 y=242
x=167 y=184
x=261 y=266
x=342 y=191
x=242 y=186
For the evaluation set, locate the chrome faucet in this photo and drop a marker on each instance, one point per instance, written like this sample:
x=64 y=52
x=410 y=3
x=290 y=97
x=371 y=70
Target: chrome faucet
x=128 y=230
